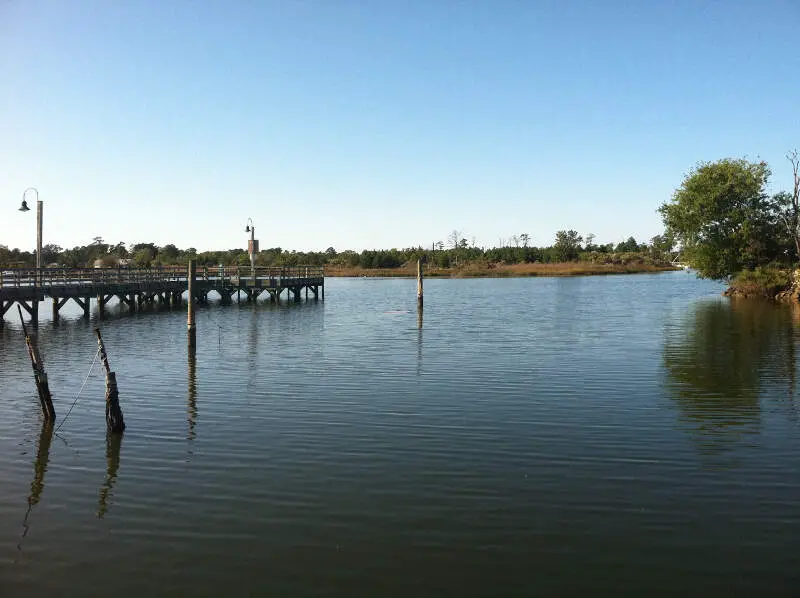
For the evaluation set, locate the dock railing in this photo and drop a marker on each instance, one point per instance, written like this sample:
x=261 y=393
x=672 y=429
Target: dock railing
x=67 y=277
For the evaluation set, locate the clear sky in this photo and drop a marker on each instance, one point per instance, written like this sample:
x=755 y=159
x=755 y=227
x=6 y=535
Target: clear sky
x=380 y=123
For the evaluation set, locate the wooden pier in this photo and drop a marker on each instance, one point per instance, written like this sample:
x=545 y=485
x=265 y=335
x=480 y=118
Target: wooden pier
x=135 y=287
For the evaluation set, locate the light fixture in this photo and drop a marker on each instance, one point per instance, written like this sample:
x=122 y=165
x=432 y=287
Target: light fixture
x=24 y=207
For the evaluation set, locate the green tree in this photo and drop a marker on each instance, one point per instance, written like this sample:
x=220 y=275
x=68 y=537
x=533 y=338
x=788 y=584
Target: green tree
x=661 y=246
x=627 y=246
x=168 y=253
x=144 y=256
x=50 y=253
x=567 y=246
x=723 y=218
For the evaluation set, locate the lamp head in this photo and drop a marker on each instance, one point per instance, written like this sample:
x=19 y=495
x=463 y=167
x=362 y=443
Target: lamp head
x=24 y=207
x=247 y=228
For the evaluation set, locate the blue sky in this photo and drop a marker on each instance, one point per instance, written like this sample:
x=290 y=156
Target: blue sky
x=372 y=123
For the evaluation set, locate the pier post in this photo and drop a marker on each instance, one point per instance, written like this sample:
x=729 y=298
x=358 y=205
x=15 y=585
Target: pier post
x=102 y=299
x=114 y=419
x=419 y=283
x=39 y=374
x=190 y=315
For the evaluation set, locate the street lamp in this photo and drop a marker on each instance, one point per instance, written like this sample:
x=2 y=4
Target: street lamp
x=252 y=247
x=24 y=208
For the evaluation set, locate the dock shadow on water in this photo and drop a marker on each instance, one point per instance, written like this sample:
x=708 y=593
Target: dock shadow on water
x=39 y=470
x=113 y=446
x=722 y=359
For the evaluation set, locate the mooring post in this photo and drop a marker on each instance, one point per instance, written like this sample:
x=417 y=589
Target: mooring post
x=39 y=375
x=114 y=418
x=190 y=315
x=419 y=283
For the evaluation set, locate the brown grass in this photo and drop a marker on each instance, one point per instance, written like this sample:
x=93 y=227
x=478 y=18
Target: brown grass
x=483 y=270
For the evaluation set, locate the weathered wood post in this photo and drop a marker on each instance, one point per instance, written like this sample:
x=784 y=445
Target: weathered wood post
x=39 y=375
x=419 y=283
x=190 y=315
x=114 y=419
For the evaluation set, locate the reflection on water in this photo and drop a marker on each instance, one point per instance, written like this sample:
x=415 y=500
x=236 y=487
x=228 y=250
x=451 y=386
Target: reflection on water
x=192 y=390
x=113 y=445
x=419 y=340
x=39 y=469
x=719 y=357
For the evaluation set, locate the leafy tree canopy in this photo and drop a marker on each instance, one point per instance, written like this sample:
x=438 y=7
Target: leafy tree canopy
x=723 y=218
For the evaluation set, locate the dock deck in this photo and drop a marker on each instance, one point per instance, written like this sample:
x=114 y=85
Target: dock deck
x=137 y=286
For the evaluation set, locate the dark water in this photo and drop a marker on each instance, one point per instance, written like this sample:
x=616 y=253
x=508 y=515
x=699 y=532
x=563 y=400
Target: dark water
x=630 y=435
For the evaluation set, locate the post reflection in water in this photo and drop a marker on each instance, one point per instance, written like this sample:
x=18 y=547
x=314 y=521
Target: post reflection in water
x=419 y=340
x=39 y=469
x=192 y=416
x=113 y=446
x=720 y=359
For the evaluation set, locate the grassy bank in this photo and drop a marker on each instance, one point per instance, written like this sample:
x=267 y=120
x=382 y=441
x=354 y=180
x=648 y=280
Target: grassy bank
x=488 y=270
x=765 y=283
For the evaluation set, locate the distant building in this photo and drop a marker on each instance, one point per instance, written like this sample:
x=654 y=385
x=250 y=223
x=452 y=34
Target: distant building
x=112 y=261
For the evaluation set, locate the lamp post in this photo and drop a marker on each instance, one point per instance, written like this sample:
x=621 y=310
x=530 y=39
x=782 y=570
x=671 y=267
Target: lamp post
x=24 y=208
x=252 y=247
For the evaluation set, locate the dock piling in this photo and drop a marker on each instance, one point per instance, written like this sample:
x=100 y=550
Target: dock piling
x=114 y=418
x=190 y=314
x=39 y=374
x=419 y=283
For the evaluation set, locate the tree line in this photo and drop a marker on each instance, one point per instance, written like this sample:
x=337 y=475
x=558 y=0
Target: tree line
x=568 y=246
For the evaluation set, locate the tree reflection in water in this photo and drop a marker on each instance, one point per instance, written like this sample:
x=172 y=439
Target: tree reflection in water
x=722 y=358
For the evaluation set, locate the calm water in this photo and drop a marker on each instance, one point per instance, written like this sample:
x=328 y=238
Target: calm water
x=629 y=435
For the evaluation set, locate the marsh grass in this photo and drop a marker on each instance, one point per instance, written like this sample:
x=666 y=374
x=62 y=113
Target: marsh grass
x=490 y=270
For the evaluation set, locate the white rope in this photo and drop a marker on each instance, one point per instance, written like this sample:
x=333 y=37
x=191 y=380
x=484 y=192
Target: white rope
x=91 y=367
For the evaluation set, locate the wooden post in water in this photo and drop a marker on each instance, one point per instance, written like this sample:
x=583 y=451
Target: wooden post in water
x=419 y=283
x=39 y=375
x=114 y=418
x=190 y=316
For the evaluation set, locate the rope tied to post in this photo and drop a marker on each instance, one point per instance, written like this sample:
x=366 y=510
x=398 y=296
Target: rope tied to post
x=91 y=367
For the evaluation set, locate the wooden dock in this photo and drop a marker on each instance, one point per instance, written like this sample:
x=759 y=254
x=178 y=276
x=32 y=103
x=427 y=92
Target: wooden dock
x=135 y=287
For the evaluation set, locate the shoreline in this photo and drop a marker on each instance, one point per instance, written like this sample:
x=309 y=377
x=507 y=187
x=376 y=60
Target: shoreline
x=500 y=270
